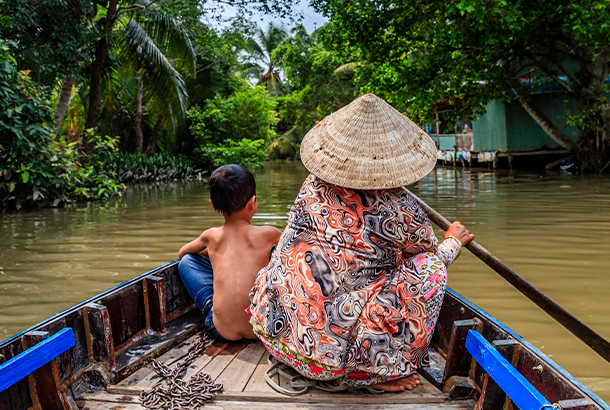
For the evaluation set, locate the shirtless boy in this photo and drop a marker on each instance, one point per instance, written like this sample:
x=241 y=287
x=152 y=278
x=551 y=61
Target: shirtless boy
x=235 y=252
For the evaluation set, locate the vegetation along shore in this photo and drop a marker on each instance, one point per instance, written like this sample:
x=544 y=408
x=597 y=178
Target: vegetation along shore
x=97 y=94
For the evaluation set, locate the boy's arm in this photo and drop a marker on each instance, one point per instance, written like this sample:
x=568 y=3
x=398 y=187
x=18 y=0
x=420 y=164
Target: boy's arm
x=273 y=234
x=197 y=246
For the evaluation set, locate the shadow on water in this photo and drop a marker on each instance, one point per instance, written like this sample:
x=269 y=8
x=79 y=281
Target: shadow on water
x=554 y=230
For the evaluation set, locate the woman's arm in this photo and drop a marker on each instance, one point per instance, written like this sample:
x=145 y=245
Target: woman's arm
x=455 y=237
x=422 y=239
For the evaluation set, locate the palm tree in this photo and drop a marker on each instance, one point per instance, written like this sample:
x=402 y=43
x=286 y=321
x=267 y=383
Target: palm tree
x=149 y=41
x=130 y=105
x=259 y=63
x=158 y=72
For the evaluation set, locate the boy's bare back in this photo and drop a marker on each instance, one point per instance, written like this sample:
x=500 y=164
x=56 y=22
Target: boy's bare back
x=237 y=252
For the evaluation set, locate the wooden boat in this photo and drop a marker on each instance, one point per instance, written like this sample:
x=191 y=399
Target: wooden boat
x=118 y=332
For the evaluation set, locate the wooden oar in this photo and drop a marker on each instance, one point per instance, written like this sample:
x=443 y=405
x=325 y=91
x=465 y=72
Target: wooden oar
x=578 y=328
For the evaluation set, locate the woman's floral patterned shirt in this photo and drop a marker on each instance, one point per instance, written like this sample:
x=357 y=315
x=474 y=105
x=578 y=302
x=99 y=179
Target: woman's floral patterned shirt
x=340 y=288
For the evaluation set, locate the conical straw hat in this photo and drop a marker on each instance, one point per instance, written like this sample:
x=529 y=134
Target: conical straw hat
x=368 y=145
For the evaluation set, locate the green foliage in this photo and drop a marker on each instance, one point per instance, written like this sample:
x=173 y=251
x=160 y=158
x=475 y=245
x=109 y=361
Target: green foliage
x=217 y=60
x=235 y=129
x=24 y=108
x=35 y=169
x=248 y=113
x=260 y=63
x=465 y=53
x=92 y=176
x=248 y=153
x=317 y=85
x=288 y=144
x=49 y=35
x=157 y=46
x=136 y=168
x=148 y=46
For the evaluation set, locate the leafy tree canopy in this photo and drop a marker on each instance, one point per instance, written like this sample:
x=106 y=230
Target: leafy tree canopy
x=49 y=36
x=259 y=62
x=247 y=113
x=318 y=83
x=467 y=52
x=36 y=169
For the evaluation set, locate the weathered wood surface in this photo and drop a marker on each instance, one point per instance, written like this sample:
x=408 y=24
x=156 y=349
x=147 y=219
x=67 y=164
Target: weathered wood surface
x=551 y=381
x=495 y=397
x=176 y=295
x=146 y=378
x=155 y=301
x=99 y=334
x=238 y=373
x=41 y=349
x=45 y=381
x=458 y=361
x=103 y=400
x=520 y=391
x=152 y=345
x=122 y=317
x=257 y=383
x=126 y=308
x=240 y=368
x=436 y=367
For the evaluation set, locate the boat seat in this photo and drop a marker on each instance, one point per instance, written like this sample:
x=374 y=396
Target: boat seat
x=35 y=357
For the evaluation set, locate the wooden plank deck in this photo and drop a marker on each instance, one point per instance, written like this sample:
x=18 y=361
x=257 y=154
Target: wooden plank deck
x=240 y=368
x=117 y=402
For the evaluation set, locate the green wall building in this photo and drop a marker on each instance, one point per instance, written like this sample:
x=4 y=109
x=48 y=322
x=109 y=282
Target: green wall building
x=508 y=128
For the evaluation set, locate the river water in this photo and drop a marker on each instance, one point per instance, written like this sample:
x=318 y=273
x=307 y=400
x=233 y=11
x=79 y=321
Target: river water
x=554 y=230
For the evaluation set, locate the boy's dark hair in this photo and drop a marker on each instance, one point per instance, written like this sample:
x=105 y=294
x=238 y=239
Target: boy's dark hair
x=231 y=187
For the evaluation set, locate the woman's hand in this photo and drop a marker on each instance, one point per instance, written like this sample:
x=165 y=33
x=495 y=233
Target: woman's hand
x=460 y=232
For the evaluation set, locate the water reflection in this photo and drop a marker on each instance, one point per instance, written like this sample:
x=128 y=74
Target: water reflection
x=551 y=229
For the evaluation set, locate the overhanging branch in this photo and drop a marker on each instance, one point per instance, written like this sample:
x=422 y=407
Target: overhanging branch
x=551 y=129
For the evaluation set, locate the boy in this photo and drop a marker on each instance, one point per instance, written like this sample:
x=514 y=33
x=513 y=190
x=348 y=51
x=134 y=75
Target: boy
x=235 y=251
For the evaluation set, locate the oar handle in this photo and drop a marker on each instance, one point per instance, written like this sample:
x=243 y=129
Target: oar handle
x=578 y=328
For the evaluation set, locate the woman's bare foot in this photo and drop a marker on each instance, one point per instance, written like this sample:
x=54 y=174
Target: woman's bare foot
x=406 y=383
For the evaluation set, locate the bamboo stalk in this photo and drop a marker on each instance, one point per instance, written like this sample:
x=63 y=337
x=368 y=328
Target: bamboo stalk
x=587 y=335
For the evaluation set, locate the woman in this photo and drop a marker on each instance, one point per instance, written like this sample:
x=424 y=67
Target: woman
x=353 y=290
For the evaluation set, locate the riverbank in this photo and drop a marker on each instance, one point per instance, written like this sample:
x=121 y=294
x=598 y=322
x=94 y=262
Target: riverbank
x=552 y=229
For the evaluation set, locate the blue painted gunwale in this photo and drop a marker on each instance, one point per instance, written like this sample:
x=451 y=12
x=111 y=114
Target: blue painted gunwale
x=523 y=394
x=35 y=357
x=584 y=390
x=90 y=300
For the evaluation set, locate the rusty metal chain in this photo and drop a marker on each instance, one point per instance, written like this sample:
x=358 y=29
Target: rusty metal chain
x=180 y=394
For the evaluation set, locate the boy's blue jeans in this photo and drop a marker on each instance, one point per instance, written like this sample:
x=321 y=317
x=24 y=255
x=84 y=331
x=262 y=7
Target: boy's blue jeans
x=198 y=278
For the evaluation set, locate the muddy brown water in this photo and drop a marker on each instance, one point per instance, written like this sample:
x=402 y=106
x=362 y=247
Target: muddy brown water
x=554 y=230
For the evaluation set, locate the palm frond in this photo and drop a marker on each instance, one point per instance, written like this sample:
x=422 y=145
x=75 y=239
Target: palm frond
x=273 y=84
x=255 y=51
x=167 y=33
x=253 y=71
x=272 y=38
x=346 y=69
x=142 y=54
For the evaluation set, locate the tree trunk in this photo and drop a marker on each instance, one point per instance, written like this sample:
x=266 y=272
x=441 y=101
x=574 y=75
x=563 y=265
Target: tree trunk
x=139 y=114
x=551 y=129
x=150 y=150
x=97 y=70
x=63 y=102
